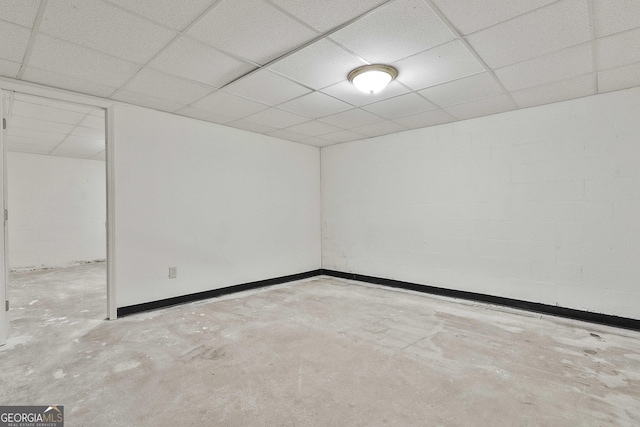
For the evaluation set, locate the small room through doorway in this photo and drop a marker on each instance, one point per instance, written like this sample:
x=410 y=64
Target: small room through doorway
x=56 y=200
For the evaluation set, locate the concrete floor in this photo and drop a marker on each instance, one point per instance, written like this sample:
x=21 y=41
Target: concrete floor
x=320 y=352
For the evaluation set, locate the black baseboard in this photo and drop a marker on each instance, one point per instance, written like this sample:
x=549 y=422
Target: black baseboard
x=554 y=310
x=154 y=305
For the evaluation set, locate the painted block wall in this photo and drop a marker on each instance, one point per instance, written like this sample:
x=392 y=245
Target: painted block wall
x=224 y=206
x=541 y=204
x=57 y=210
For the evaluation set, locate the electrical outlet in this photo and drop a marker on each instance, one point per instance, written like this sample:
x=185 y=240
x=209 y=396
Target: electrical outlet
x=173 y=272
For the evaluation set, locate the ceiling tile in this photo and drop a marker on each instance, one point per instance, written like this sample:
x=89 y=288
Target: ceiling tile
x=196 y=61
x=316 y=141
x=327 y=14
x=85 y=132
x=315 y=105
x=398 y=30
x=288 y=135
x=51 y=78
x=381 y=128
x=558 y=91
x=77 y=148
x=9 y=68
x=100 y=156
x=399 y=106
x=614 y=16
x=147 y=101
x=50 y=113
x=439 y=65
x=276 y=118
x=21 y=12
x=617 y=50
x=205 y=115
x=462 y=90
x=172 y=13
x=27 y=148
x=229 y=105
x=424 y=119
x=469 y=16
x=40 y=124
x=93 y=122
x=343 y=136
x=239 y=26
x=54 y=103
x=347 y=92
x=352 y=118
x=251 y=126
x=619 y=78
x=561 y=65
x=100 y=26
x=14 y=41
x=546 y=30
x=481 y=107
x=313 y=128
x=266 y=87
x=318 y=65
x=75 y=61
x=164 y=86
x=35 y=137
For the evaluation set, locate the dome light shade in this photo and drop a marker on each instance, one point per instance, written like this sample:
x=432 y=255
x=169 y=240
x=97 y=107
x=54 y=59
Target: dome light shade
x=372 y=78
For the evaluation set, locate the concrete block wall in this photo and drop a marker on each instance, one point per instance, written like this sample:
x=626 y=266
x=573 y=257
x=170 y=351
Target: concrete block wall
x=57 y=208
x=541 y=204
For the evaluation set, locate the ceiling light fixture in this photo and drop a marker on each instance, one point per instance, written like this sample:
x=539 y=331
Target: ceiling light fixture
x=372 y=78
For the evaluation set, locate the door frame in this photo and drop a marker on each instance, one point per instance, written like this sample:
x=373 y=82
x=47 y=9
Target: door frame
x=11 y=85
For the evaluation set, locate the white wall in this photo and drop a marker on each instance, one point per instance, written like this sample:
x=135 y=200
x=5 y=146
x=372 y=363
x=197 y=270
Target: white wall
x=224 y=206
x=541 y=205
x=57 y=209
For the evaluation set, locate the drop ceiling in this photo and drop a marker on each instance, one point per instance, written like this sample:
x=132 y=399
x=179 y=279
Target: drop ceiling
x=279 y=67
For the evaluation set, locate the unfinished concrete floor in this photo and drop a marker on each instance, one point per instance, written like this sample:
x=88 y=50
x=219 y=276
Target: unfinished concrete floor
x=319 y=352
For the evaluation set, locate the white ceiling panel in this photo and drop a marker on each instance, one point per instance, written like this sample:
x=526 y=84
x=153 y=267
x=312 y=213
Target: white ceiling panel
x=288 y=135
x=164 y=86
x=40 y=124
x=79 y=149
x=196 y=61
x=229 y=105
x=319 y=65
x=46 y=112
x=53 y=103
x=205 y=115
x=251 y=126
x=614 y=16
x=106 y=28
x=469 y=16
x=147 y=101
x=267 y=87
x=393 y=32
x=100 y=156
x=402 y=105
x=381 y=128
x=315 y=105
x=252 y=29
x=313 y=128
x=424 y=119
x=14 y=41
x=352 y=119
x=9 y=68
x=345 y=91
x=462 y=90
x=21 y=12
x=481 y=107
x=618 y=50
x=444 y=63
x=76 y=61
x=557 y=26
x=172 y=13
x=316 y=141
x=27 y=148
x=85 y=132
x=327 y=14
x=343 y=136
x=94 y=122
x=278 y=119
x=35 y=137
x=558 y=91
x=619 y=78
x=561 y=65
x=51 y=78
